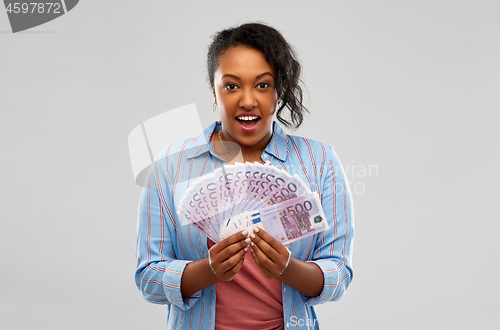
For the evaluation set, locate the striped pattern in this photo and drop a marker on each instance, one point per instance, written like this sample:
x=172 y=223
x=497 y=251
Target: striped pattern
x=165 y=245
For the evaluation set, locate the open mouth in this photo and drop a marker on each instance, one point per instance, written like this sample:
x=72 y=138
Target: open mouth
x=248 y=121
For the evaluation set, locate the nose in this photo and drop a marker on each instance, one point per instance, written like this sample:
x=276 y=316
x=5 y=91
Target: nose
x=247 y=100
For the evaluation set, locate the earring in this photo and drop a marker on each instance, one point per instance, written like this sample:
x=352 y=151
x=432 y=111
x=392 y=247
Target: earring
x=279 y=103
x=214 y=108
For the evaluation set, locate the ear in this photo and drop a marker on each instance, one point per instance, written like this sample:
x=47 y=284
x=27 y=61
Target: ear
x=215 y=97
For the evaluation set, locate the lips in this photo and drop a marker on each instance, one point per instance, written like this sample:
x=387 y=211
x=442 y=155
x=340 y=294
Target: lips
x=248 y=122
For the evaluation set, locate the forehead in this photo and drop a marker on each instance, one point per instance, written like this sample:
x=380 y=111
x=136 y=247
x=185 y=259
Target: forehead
x=243 y=62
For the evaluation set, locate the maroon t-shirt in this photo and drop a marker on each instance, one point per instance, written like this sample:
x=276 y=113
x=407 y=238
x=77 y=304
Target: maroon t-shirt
x=249 y=300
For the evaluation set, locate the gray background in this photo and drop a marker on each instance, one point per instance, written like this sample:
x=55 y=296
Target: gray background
x=410 y=88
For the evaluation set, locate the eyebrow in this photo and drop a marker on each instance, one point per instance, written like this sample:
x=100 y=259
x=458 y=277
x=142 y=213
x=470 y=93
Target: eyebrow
x=228 y=75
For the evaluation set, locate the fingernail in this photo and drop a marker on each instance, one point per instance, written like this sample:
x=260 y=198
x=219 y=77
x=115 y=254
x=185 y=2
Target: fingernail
x=252 y=235
x=246 y=248
x=244 y=233
x=247 y=240
x=251 y=250
x=255 y=229
x=252 y=244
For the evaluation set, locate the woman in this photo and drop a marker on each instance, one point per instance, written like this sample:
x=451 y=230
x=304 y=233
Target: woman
x=248 y=280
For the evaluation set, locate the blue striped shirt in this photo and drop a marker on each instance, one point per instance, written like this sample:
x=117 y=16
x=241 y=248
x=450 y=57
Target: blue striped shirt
x=165 y=246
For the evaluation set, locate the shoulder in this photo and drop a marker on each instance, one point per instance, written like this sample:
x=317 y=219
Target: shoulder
x=309 y=148
x=174 y=163
x=187 y=147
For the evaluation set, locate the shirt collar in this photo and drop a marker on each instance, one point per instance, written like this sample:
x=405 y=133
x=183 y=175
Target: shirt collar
x=200 y=145
x=277 y=145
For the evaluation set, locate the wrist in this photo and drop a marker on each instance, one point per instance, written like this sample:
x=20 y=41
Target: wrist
x=286 y=271
x=287 y=262
x=210 y=270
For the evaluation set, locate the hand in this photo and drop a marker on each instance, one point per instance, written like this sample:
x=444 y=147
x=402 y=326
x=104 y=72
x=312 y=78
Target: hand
x=227 y=256
x=271 y=256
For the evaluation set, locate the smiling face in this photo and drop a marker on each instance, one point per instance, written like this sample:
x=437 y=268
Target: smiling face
x=246 y=98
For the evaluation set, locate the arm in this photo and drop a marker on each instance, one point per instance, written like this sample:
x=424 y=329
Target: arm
x=333 y=248
x=159 y=271
x=197 y=276
x=161 y=277
x=328 y=275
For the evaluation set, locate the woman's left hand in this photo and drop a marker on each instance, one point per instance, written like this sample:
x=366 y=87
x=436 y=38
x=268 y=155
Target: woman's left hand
x=271 y=256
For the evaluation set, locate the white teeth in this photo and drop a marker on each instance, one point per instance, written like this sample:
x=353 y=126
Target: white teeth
x=247 y=117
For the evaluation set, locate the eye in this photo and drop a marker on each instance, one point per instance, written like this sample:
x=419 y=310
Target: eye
x=230 y=86
x=262 y=85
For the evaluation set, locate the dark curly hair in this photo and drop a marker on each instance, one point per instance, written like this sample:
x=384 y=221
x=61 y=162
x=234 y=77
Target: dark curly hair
x=277 y=52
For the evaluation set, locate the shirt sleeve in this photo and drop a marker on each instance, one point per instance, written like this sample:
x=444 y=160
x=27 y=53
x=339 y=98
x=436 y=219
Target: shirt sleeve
x=333 y=248
x=158 y=274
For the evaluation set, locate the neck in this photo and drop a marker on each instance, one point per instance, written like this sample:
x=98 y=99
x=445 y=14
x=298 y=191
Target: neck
x=232 y=152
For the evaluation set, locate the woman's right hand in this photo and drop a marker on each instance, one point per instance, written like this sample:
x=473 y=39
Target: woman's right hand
x=226 y=259
x=227 y=256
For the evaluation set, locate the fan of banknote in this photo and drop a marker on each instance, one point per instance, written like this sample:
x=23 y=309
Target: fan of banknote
x=245 y=195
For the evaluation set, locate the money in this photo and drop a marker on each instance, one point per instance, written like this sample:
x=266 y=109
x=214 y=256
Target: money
x=243 y=196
